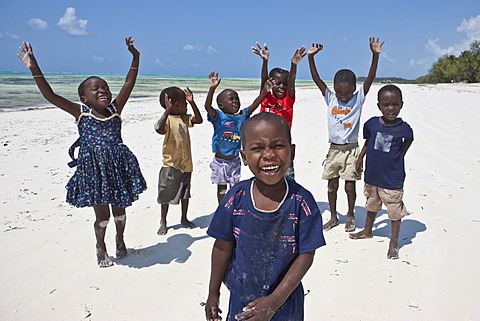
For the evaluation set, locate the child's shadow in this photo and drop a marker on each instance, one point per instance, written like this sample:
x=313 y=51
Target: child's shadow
x=382 y=226
x=174 y=249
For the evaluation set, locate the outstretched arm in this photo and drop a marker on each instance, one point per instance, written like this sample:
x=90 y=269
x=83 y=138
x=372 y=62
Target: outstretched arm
x=266 y=88
x=265 y=307
x=197 y=117
x=131 y=78
x=297 y=57
x=31 y=63
x=214 y=82
x=160 y=125
x=376 y=48
x=264 y=54
x=221 y=253
x=316 y=47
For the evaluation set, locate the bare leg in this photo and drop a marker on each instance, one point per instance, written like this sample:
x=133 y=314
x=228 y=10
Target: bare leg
x=332 y=202
x=162 y=230
x=351 y=197
x=120 y=220
x=393 y=246
x=102 y=215
x=366 y=233
x=184 y=219
x=221 y=191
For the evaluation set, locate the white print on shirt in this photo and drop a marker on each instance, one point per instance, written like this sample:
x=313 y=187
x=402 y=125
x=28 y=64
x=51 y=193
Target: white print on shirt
x=383 y=142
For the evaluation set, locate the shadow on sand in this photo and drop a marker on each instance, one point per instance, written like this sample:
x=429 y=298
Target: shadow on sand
x=382 y=226
x=175 y=248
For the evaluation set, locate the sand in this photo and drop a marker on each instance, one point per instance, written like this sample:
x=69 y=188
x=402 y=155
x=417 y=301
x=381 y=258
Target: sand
x=48 y=266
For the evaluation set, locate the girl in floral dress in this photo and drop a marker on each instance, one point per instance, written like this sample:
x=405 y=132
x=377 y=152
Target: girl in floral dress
x=107 y=176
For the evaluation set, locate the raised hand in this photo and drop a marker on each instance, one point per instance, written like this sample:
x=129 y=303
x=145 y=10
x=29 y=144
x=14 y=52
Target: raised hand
x=27 y=55
x=269 y=84
x=262 y=52
x=129 y=41
x=316 y=47
x=298 y=55
x=375 y=45
x=189 y=95
x=214 y=80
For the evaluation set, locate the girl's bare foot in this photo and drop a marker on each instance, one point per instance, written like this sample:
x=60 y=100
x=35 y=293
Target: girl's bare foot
x=103 y=260
x=121 y=249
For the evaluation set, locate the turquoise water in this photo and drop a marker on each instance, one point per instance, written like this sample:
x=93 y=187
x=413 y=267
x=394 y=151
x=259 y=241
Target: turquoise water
x=18 y=90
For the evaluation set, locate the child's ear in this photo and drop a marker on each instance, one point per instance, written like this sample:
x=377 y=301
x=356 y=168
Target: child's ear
x=292 y=151
x=83 y=99
x=244 y=157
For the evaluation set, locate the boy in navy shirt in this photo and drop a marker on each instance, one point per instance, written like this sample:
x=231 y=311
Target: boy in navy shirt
x=387 y=140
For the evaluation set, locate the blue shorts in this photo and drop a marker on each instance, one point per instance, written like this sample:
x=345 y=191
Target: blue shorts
x=226 y=171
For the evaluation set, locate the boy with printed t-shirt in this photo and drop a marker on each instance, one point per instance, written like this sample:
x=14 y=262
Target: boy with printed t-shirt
x=343 y=113
x=387 y=139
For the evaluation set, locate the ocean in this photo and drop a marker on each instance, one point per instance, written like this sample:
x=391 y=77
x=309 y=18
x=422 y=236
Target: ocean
x=19 y=91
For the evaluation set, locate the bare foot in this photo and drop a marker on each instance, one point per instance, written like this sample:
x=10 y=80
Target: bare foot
x=103 y=260
x=187 y=224
x=350 y=224
x=361 y=235
x=392 y=253
x=330 y=224
x=162 y=230
x=121 y=249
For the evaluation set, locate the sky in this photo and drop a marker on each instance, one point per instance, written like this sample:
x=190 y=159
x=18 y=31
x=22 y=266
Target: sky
x=191 y=37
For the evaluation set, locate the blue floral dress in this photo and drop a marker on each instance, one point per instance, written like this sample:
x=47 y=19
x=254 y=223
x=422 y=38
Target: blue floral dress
x=107 y=171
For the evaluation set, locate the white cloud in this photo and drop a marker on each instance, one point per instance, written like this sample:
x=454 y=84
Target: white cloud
x=425 y=62
x=159 y=62
x=189 y=47
x=386 y=57
x=98 y=59
x=72 y=25
x=11 y=35
x=37 y=23
x=472 y=29
x=209 y=49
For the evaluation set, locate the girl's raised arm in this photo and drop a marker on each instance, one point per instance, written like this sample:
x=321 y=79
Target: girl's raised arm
x=131 y=78
x=31 y=63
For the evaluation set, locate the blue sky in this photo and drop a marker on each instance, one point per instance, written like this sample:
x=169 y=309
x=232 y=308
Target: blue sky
x=191 y=37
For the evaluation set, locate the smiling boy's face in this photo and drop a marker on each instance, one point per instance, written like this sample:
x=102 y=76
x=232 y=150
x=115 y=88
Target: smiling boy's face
x=344 y=91
x=96 y=93
x=267 y=150
x=279 y=89
x=390 y=103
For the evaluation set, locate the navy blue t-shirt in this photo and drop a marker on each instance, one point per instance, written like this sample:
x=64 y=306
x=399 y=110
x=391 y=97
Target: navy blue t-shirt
x=385 y=165
x=266 y=243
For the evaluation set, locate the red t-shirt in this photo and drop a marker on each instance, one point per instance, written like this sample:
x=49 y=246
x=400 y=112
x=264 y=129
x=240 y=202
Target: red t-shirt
x=282 y=107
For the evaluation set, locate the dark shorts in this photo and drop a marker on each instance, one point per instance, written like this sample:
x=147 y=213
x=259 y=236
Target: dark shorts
x=173 y=185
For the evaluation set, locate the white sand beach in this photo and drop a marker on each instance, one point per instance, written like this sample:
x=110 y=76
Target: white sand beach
x=49 y=270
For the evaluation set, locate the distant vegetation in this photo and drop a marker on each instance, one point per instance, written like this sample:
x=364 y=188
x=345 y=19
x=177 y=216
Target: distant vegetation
x=464 y=68
x=449 y=68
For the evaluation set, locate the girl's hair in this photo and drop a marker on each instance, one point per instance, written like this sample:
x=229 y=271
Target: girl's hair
x=345 y=76
x=266 y=117
x=277 y=71
x=389 y=88
x=174 y=93
x=81 y=87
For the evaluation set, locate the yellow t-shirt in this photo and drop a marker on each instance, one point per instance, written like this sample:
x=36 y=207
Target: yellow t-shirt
x=177 y=151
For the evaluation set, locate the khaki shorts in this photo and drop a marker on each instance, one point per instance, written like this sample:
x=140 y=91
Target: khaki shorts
x=341 y=161
x=173 y=185
x=392 y=199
